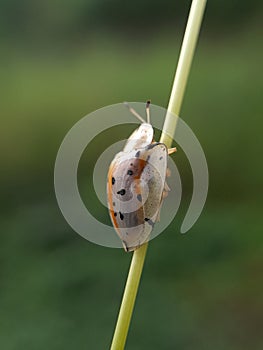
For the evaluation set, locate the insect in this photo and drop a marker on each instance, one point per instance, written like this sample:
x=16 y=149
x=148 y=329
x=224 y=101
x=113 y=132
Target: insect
x=136 y=184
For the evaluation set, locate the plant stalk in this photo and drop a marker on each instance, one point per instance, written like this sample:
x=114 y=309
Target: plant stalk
x=183 y=69
x=128 y=299
x=174 y=106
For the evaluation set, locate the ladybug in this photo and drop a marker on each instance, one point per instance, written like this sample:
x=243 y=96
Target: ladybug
x=136 y=184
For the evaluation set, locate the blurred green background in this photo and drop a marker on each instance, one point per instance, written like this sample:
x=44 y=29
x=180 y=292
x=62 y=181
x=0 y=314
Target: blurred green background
x=61 y=60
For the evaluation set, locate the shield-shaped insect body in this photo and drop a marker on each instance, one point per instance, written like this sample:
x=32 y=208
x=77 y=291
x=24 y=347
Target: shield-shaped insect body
x=136 y=185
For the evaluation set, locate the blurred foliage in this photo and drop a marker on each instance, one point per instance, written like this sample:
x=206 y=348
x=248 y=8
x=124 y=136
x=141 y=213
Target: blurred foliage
x=54 y=20
x=62 y=60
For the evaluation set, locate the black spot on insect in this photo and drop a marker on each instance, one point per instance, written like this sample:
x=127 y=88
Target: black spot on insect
x=113 y=180
x=121 y=192
x=137 y=155
x=121 y=216
x=139 y=197
x=150 y=222
x=160 y=158
x=131 y=164
x=114 y=204
x=129 y=172
x=115 y=214
x=152 y=145
x=148 y=158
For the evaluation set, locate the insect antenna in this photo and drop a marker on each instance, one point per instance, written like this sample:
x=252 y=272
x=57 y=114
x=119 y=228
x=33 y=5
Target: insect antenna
x=134 y=112
x=148 y=111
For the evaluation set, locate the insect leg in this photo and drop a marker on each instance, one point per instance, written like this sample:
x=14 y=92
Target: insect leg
x=172 y=150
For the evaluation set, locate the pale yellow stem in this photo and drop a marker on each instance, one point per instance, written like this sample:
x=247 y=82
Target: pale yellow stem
x=180 y=80
x=183 y=69
x=128 y=299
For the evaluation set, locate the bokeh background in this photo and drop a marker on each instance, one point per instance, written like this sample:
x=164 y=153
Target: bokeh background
x=60 y=60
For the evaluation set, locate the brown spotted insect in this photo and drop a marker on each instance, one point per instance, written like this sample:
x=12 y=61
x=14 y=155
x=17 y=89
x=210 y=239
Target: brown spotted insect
x=136 y=184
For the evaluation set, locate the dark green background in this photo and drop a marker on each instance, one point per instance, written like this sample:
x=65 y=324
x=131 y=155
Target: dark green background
x=60 y=60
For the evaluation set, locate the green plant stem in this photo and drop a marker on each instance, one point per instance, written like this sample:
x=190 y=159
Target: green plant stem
x=183 y=69
x=128 y=299
x=180 y=80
